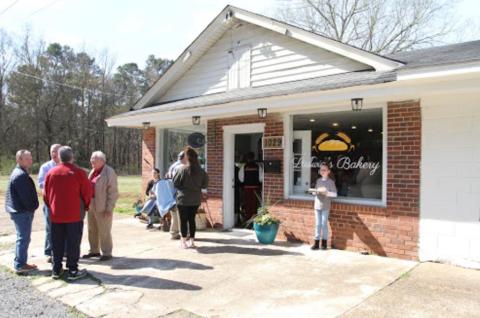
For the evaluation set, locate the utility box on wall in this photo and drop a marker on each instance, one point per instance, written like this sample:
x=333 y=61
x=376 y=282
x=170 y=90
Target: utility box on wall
x=272 y=166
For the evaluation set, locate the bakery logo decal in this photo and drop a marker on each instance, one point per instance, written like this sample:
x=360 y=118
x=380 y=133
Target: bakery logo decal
x=340 y=142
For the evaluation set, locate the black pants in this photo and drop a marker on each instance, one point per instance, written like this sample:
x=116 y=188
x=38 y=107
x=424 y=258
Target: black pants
x=69 y=236
x=187 y=219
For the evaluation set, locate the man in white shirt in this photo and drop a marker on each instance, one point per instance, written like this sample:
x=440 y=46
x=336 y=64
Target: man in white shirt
x=44 y=169
x=175 y=223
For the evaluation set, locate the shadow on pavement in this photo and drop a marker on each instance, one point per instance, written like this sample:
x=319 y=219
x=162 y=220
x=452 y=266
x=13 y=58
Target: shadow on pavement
x=245 y=242
x=229 y=249
x=227 y=241
x=141 y=281
x=160 y=263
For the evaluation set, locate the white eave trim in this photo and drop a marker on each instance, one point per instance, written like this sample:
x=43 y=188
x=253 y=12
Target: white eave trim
x=398 y=90
x=438 y=71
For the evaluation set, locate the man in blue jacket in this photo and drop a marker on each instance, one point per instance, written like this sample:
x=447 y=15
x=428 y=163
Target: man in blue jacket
x=21 y=201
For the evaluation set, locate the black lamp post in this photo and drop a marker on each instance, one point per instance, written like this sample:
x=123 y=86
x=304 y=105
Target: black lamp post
x=262 y=113
x=357 y=104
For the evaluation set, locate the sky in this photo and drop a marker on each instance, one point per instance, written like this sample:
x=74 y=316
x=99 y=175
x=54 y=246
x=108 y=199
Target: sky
x=131 y=30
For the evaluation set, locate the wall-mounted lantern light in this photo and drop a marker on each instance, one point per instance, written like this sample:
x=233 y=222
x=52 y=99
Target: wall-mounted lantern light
x=146 y=125
x=196 y=120
x=357 y=104
x=262 y=113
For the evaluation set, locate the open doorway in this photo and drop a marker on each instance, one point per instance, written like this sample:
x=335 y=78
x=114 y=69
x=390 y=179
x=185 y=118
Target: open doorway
x=232 y=152
x=248 y=174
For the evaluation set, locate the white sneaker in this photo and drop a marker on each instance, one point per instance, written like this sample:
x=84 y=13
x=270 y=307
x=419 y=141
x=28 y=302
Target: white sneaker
x=183 y=243
x=191 y=243
x=78 y=274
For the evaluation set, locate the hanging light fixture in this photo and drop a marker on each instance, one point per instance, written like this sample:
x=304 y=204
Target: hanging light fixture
x=196 y=120
x=357 y=104
x=262 y=113
x=146 y=125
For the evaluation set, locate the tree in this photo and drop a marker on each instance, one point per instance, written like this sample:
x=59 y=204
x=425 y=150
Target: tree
x=154 y=68
x=6 y=64
x=53 y=94
x=380 y=26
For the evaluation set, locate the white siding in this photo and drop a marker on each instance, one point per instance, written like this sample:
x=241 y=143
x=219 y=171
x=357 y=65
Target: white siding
x=450 y=180
x=273 y=58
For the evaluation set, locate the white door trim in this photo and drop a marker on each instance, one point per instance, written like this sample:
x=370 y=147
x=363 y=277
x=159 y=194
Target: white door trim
x=229 y=133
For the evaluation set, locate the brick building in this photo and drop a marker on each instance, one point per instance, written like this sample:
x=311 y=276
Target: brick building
x=406 y=166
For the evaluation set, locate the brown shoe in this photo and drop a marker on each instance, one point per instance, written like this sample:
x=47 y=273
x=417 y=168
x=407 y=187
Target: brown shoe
x=104 y=258
x=49 y=260
x=26 y=268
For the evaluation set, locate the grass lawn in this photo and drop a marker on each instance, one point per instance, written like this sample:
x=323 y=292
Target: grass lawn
x=129 y=188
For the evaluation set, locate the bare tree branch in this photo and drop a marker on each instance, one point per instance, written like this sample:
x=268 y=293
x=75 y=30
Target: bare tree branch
x=381 y=26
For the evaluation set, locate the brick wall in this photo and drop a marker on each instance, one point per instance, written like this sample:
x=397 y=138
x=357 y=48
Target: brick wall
x=273 y=182
x=388 y=231
x=148 y=156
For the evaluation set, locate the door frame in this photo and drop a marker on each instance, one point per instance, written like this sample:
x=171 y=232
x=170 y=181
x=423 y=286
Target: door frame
x=229 y=133
x=306 y=138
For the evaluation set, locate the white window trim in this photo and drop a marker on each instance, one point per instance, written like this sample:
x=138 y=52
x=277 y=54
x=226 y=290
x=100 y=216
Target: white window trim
x=159 y=159
x=288 y=171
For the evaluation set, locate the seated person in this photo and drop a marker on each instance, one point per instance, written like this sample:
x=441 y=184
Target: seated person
x=150 y=206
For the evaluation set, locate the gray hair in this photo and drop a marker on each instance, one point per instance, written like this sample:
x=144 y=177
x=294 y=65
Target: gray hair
x=99 y=155
x=20 y=153
x=65 y=153
x=55 y=147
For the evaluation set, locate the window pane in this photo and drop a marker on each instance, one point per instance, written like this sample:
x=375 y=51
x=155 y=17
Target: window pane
x=350 y=142
x=175 y=141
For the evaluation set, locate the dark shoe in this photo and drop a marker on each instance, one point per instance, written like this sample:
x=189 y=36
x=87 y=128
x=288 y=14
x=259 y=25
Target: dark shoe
x=149 y=226
x=315 y=245
x=26 y=269
x=175 y=237
x=57 y=275
x=324 y=244
x=49 y=259
x=74 y=275
x=90 y=255
x=104 y=258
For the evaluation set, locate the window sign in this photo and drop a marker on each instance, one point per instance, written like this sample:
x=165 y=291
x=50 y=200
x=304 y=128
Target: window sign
x=176 y=140
x=351 y=143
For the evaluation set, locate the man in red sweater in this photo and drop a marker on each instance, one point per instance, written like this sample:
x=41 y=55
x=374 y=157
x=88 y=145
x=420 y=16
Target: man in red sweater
x=67 y=193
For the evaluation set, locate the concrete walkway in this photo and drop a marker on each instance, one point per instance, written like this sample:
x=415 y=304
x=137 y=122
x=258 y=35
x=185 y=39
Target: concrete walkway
x=228 y=275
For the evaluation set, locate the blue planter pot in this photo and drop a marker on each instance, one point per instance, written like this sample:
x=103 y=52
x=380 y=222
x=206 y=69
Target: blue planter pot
x=266 y=233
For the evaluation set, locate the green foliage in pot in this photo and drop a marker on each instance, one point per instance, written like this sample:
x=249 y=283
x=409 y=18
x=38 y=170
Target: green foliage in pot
x=263 y=216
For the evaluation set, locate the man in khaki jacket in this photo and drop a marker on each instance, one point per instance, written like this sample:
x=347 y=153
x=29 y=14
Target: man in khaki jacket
x=104 y=183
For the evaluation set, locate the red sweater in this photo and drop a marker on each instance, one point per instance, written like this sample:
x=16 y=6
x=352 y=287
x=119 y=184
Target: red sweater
x=65 y=185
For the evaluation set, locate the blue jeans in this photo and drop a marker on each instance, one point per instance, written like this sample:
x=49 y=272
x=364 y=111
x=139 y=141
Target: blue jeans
x=321 y=224
x=48 y=231
x=23 y=226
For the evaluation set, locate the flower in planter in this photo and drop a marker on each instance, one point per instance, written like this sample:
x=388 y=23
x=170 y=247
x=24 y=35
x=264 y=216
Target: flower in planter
x=263 y=216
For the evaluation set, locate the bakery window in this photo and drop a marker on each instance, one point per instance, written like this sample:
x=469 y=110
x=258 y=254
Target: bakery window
x=351 y=143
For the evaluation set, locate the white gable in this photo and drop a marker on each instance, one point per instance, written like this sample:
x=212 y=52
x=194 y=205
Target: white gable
x=250 y=56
